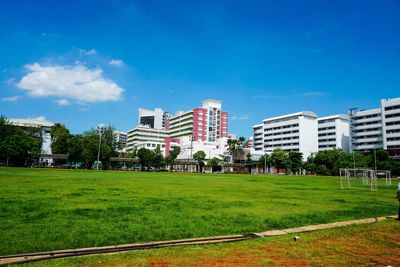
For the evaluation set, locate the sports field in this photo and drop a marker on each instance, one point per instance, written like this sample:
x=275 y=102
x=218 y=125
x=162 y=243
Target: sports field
x=43 y=209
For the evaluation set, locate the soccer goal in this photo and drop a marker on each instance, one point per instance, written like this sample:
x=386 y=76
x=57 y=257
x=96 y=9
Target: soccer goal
x=369 y=177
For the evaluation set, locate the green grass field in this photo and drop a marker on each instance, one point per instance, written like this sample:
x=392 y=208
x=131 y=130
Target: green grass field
x=44 y=209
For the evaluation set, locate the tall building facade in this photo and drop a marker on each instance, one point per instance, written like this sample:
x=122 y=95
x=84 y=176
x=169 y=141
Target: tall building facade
x=156 y=119
x=207 y=123
x=333 y=132
x=377 y=128
x=292 y=132
x=121 y=139
x=144 y=136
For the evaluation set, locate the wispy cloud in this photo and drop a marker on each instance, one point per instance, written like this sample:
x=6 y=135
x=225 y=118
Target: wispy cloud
x=70 y=82
x=10 y=81
x=10 y=99
x=116 y=62
x=240 y=117
x=89 y=52
x=62 y=102
x=314 y=93
x=268 y=97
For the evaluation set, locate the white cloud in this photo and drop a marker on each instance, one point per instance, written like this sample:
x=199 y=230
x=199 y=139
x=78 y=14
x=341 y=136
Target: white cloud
x=10 y=81
x=73 y=82
x=85 y=52
x=116 y=62
x=62 y=102
x=314 y=93
x=240 y=117
x=10 y=99
x=268 y=97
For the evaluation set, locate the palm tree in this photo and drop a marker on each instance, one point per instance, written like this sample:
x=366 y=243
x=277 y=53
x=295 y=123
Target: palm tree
x=233 y=146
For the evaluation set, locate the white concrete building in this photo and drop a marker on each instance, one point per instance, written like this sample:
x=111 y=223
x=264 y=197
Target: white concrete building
x=144 y=136
x=390 y=109
x=181 y=124
x=333 y=132
x=157 y=118
x=292 y=132
x=376 y=128
x=42 y=129
x=207 y=123
x=216 y=149
x=121 y=139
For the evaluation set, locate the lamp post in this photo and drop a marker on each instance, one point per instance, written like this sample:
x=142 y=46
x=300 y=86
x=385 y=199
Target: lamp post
x=100 y=129
x=265 y=163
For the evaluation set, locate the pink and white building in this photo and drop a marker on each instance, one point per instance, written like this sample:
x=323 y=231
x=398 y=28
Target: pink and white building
x=202 y=128
x=207 y=123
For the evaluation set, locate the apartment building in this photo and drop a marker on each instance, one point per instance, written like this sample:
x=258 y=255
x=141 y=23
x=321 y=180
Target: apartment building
x=121 y=139
x=157 y=118
x=291 y=132
x=333 y=132
x=206 y=123
x=391 y=126
x=147 y=137
x=377 y=128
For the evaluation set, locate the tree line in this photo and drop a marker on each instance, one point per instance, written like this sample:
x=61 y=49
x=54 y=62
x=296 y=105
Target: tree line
x=328 y=162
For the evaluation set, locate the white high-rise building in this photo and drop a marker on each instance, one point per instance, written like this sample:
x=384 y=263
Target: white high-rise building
x=121 y=138
x=144 y=136
x=207 y=123
x=292 y=132
x=333 y=132
x=157 y=118
x=377 y=128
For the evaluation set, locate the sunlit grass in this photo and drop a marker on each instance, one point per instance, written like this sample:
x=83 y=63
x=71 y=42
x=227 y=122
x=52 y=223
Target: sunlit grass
x=44 y=209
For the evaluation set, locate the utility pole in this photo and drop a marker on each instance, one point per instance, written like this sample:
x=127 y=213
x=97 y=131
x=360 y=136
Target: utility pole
x=265 y=164
x=100 y=129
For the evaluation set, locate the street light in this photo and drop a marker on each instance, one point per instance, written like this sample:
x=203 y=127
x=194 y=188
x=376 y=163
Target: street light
x=265 y=163
x=100 y=128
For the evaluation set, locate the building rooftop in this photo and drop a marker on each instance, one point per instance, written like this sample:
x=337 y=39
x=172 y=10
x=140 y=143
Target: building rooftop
x=338 y=116
x=35 y=123
x=297 y=114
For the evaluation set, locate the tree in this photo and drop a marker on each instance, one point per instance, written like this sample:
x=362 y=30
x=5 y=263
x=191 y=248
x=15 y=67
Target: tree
x=158 y=158
x=90 y=143
x=59 y=139
x=145 y=158
x=279 y=159
x=214 y=163
x=233 y=145
x=75 y=148
x=241 y=141
x=173 y=154
x=199 y=156
x=265 y=161
x=17 y=146
x=295 y=161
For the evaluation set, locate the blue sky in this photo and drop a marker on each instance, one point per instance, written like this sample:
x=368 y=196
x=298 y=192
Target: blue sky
x=86 y=62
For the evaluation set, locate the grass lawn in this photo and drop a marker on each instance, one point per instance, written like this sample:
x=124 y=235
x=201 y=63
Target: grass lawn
x=44 y=209
x=362 y=245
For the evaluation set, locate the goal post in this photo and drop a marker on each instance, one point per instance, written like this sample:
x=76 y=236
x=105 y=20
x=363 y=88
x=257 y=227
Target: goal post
x=369 y=177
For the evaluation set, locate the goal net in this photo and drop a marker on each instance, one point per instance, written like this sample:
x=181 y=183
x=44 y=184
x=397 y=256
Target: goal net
x=369 y=177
